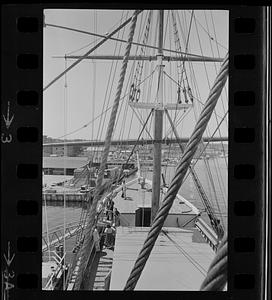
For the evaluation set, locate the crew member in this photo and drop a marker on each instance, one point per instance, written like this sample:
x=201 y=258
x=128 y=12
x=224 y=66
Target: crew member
x=124 y=190
x=116 y=217
x=110 y=206
x=109 y=231
x=96 y=239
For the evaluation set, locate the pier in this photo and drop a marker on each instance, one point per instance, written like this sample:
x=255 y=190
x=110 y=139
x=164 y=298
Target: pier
x=71 y=197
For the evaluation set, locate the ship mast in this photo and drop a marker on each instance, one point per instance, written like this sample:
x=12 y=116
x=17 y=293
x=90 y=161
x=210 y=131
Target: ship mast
x=158 y=122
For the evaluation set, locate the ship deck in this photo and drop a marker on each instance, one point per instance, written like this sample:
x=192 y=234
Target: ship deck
x=138 y=202
x=178 y=261
x=102 y=265
x=137 y=197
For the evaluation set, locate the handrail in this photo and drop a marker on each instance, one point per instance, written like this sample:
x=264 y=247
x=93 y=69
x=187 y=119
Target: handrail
x=49 y=284
x=52 y=233
x=58 y=239
x=207 y=233
x=73 y=273
x=61 y=226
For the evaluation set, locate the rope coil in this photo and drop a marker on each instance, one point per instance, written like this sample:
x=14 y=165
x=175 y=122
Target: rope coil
x=181 y=170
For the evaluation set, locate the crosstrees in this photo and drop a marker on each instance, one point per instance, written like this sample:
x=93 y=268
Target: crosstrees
x=115 y=39
x=146 y=57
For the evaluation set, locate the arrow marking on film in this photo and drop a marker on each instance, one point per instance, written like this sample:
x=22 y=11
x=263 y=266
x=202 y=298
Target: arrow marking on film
x=8 y=120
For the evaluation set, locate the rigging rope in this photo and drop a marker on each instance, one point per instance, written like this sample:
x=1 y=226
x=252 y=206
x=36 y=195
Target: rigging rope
x=178 y=45
x=181 y=171
x=65 y=100
x=218 y=52
x=167 y=132
x=181 y=66
x=209 y=173
x=139 y=136
x=135 y=93
x=207 y=143
x=47 y=228
x=100 y=130
x=108 y=94
x=216 y=72
x=205 y=160
x=125 y=112
x=223 y=188
x=105 y=111
x=206 y=72
x=95 y=34
x=90 y=51
x=109 y=88
x=197 y=92
x=186 y=254
x=200 y=188
x=92 y=213
x=114 y=39
x=94 y=76
x=199 y=101
x=208 y=82
x=211 y=37
x=216 y=277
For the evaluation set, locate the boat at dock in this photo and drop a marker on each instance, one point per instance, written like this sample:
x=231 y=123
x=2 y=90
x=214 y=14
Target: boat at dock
x=138 y=232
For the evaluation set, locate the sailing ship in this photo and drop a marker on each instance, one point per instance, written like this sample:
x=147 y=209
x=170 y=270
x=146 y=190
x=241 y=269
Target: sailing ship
x=161 y=240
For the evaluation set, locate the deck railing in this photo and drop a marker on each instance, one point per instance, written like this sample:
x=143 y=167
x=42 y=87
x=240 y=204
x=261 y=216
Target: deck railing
x=73 y=272
x=50 y=285
x=208 y=234
x=55 y=236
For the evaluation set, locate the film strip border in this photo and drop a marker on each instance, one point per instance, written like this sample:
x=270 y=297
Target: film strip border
x=246 y=157
x=21 y=145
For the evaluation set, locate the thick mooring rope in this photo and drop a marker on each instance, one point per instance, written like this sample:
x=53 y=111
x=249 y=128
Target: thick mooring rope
x=181 y=170
x=91 y=217
x=216 y=277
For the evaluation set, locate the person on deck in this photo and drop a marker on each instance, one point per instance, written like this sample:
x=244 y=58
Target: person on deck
x=96 y=239
x=143 y=184
x=124 y=190
x=109 y=231
x=116 y=217
x=110 y=206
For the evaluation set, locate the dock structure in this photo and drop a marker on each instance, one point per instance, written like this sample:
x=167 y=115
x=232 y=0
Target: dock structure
x=126 y=142
x=63 y=165
x=71 y=197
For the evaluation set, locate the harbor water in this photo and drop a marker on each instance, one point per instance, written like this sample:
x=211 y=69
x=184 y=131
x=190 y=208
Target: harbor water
x=54 y=214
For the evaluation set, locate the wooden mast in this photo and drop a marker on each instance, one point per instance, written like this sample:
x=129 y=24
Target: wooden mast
x=156 y=182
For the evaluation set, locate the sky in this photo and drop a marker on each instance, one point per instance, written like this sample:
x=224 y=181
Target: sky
x=88 y=89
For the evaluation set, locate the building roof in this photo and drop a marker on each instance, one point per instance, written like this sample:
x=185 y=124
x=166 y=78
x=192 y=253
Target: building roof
x=179 y=260
x=64 y=162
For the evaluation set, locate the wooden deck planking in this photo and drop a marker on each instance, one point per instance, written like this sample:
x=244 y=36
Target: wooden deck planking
x=101 y=267
x=179 y=260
